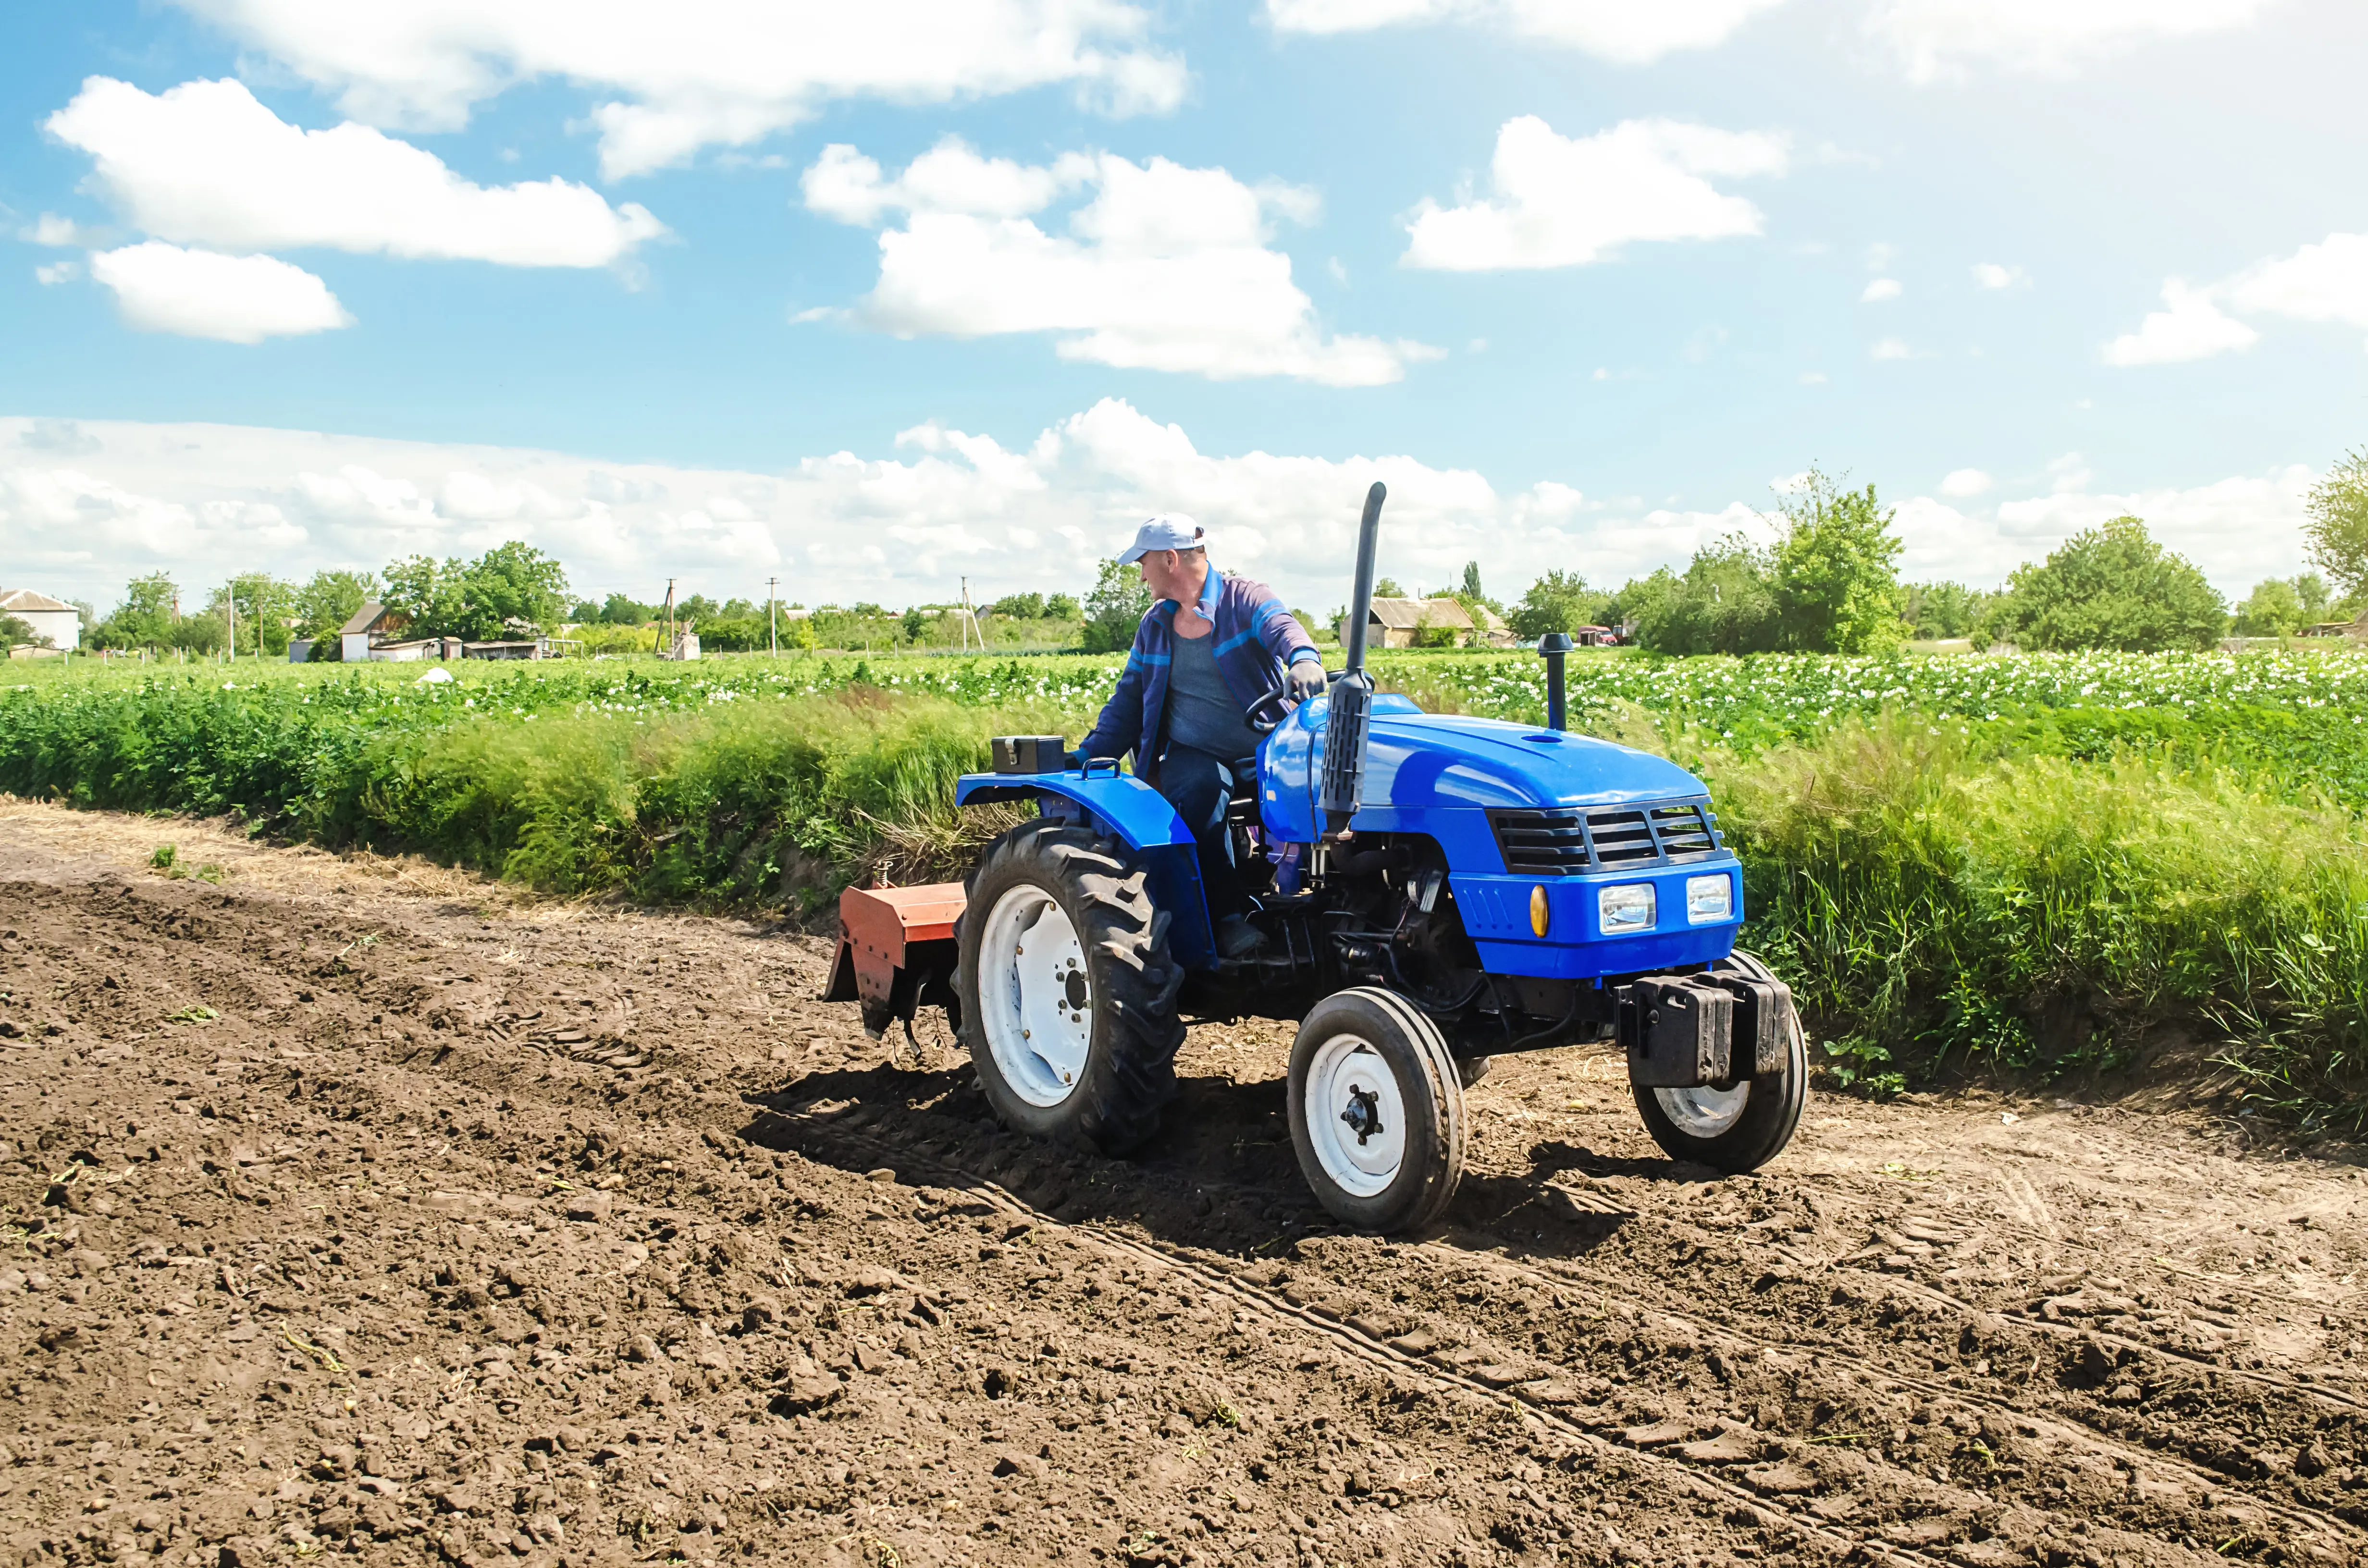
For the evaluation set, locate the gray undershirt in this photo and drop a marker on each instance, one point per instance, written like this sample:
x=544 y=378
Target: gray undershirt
x=1201 y=712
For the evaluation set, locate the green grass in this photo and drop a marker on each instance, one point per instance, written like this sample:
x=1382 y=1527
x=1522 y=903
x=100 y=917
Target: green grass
x=2031 y=867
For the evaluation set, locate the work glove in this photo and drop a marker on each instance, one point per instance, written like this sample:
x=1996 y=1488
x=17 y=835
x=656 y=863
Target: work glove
x=1305 y=679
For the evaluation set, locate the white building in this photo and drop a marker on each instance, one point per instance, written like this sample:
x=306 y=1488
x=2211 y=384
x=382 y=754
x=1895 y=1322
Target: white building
x=60 y=623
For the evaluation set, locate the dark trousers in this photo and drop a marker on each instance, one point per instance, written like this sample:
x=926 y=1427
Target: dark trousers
x=1196 y=784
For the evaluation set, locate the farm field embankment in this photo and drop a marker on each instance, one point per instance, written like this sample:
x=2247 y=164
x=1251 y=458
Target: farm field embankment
x=2046 y=865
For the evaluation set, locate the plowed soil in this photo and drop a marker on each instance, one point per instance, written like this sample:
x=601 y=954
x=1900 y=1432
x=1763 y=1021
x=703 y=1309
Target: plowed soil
x=363 y=1211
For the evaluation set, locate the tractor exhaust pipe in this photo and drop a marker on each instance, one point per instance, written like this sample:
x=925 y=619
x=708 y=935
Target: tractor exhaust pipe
x=1551 y=648
x=1352 y=694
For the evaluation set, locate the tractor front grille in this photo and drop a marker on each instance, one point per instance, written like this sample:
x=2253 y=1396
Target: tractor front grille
x=1569 y=841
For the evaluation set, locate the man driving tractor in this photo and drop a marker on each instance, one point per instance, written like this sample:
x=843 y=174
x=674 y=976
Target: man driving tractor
x=1210 y=645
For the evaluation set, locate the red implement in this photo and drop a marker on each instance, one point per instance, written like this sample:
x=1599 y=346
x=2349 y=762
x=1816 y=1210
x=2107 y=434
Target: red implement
x=896 y=952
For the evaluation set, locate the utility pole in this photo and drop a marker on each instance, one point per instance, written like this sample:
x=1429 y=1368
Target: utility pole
x=772 y=627
x=970 y=621
x=668 y=652
x=230 y=608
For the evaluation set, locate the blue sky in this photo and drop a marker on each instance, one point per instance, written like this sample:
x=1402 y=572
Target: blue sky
x=1581 y=280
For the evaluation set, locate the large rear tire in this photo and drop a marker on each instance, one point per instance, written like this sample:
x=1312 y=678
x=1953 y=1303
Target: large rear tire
x=1067 y=988
x=1377 y=1111
x=1744 y=1126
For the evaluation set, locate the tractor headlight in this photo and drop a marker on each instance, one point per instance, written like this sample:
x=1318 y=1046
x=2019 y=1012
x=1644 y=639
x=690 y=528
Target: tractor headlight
x=1625 y=908
x=1710 y=898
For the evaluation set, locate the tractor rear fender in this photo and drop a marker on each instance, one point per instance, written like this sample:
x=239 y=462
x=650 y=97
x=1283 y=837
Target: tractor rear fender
x=1133 y=812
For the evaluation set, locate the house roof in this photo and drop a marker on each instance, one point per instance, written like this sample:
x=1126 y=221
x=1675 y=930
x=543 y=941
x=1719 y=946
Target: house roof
x=15 y=599
x=1404 y=615
x=364 y=618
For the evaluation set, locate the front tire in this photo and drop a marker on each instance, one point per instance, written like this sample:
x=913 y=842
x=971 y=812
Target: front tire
x=1742 y=1127
x=1377 y=1111
x=1067 y=988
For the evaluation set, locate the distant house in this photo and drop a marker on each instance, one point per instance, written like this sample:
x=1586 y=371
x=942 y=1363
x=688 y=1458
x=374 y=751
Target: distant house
x=1393 y=622
x=375 y=635
x=2353 y=629
x=60 y=623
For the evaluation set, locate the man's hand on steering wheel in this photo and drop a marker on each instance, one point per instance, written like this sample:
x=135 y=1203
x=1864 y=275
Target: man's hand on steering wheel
x=1305 y=679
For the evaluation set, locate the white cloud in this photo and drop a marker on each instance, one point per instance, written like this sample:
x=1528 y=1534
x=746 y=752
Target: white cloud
x=205 y=164
x=1940 y=38
x=1560 y=201
x=200 y=293
x=1961 y=482
x=1612 y=30
x=1890 y=348
x=1991 y=274
x=2189 y=326
x=57 y=272
x=701 y=72
x=1813 y=378
x=2236 y=530
x=2323 y=282
x=1880 y=290
x=203 y=501
x=52 y=230
x=1165 y=267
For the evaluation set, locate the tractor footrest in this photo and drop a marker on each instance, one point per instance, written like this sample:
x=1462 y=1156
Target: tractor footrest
x=1681 y=1031
x=896 y=952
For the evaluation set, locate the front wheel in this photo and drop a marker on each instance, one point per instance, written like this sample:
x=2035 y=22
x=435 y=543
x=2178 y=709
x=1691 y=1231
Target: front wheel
x=1743 y=1126
x=1377 y=1111
x=1067 y=988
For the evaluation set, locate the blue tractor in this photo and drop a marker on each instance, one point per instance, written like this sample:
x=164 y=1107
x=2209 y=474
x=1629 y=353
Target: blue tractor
x=1434 y=891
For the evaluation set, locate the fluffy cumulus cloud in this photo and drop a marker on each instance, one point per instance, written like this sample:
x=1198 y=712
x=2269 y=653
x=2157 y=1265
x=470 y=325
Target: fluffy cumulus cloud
x=700 y=72
x=205 y=164
x=202 y=293
x=1564 y=201
x=1611 y=30
x=2189 y=326
x=85 y=504
x=2238 y=531
x=2322 y=282
x=1155 y=265
x=1942 y=37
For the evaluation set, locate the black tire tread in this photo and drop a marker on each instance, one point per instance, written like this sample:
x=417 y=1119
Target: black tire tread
x=1135 y=978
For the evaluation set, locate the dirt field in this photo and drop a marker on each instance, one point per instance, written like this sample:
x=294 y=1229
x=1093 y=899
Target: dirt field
x=356 y=1208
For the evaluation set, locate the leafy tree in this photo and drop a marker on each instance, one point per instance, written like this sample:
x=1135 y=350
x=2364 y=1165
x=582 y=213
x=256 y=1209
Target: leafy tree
x=1019 y=607
x=1725 y=602
x=260 y=606
x=509 y=588
x=1933 y=611
x=17 y=632
x=1061 y=607
x=144 y=619
x=1836 y=572
x=620 y=610
x=1116 y=606
x=2111 y=587
x=2335 y=526
x=1387 y=588
x=327 y=603
x=1559 y=601
x=914 y=624
x=1472 y=580
x=2280 y=607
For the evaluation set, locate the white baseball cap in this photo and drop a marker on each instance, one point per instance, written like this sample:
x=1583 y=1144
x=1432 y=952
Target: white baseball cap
x=1169 y=530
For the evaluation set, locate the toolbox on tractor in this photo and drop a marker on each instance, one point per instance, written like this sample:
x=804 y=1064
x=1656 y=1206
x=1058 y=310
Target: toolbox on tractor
x=1432 y=890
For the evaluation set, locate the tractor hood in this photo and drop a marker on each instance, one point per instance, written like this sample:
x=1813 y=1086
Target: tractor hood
x=1417 y=759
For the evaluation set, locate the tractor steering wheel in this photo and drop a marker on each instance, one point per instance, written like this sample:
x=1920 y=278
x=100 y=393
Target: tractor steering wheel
x=1278 y=699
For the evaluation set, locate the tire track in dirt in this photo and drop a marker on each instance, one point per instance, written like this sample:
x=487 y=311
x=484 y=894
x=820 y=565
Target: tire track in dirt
x=1700 y=1482
x=2327 y=1535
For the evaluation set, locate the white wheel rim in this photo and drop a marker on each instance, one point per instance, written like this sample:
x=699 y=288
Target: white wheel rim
x=1705 y=1112
x=1035 y=997
x=1349 y=1087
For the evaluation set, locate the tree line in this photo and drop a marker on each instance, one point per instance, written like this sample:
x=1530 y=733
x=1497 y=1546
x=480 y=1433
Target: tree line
x=1827 y=582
